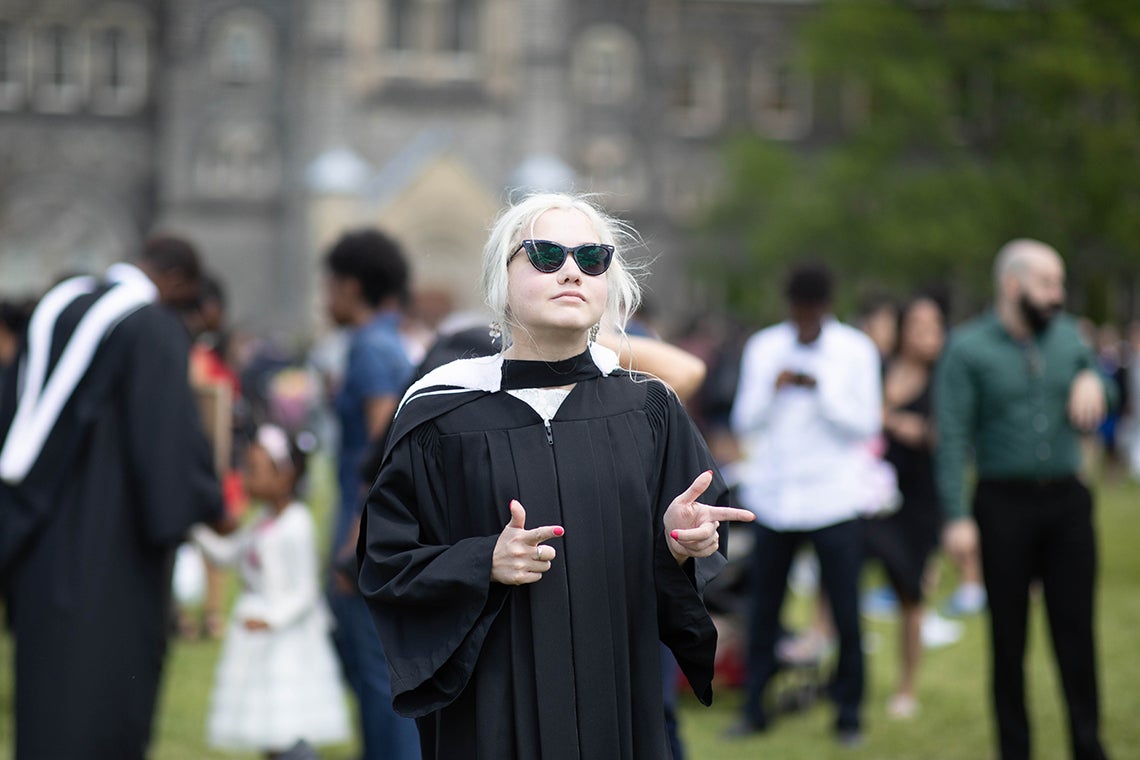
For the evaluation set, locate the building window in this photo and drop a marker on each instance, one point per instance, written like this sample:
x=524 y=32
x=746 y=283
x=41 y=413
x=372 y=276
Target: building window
x=697 y=95
x=11 y=67
x=461 y=26
x=238 y=161
x=611 y=167
x=781 y=99
x=431 y=40
x=242 y=50
x=57 y=52
x=401 y=33
x=56 y=70
x=119 y=67
x=605 y=65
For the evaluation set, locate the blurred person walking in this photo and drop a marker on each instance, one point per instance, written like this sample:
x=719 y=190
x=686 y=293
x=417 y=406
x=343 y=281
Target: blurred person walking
x=808 y=401
x=278 y=681
x=103 y=469
x=1019 y=387
x=366 y=285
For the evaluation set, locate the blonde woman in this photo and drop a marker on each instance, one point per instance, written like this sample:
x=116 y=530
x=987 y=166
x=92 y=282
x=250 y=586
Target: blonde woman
x=539 y=639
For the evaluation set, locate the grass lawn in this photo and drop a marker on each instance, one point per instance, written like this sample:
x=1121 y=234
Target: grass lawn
x=954 y=722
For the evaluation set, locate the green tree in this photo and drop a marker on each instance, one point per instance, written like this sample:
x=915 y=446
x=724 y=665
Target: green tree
x=976 y=122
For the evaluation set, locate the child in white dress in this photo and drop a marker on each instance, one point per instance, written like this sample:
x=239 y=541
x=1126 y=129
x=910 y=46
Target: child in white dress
x=277 y=682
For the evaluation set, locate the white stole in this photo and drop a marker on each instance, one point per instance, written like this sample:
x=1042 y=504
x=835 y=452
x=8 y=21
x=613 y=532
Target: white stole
x=40 y=403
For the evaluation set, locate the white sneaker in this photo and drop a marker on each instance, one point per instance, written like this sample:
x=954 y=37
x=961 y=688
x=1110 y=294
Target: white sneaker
x=938 y=632
x=902 y=707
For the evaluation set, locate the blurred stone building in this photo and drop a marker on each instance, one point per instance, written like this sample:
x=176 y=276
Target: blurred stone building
x=264 y=128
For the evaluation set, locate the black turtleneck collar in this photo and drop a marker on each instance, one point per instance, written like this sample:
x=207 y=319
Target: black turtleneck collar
x=521 y=373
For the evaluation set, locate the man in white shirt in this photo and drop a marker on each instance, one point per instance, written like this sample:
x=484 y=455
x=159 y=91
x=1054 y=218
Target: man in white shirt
x=808 y=402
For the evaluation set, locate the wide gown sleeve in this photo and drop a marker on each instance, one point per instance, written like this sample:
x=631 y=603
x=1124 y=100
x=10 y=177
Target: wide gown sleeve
x=684 y=622
x=432 y=600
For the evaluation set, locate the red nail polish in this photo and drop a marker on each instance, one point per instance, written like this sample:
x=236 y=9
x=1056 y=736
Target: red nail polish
x=673 y=534
x=559 y=530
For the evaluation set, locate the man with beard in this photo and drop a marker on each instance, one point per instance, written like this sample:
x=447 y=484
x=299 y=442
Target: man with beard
x=1019 y=387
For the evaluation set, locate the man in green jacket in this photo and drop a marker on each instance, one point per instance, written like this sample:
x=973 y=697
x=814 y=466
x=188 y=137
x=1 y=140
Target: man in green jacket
x=1019 y=387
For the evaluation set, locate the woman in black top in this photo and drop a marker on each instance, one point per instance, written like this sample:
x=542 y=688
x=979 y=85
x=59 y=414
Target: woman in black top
x=905 y=540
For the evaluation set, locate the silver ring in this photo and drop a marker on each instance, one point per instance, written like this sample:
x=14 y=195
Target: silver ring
x=538 y=554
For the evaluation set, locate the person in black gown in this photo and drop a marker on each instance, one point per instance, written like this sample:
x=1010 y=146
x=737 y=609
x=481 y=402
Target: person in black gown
x=538 y=640
x=103 y=468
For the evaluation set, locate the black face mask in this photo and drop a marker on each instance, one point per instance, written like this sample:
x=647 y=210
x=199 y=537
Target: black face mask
x=1037 y=316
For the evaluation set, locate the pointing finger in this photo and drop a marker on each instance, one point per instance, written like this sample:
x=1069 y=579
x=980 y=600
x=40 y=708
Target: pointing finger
x=536 y=536
x=729 y=513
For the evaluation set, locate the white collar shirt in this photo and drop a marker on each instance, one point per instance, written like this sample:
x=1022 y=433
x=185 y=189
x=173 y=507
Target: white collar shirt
x=807 y=449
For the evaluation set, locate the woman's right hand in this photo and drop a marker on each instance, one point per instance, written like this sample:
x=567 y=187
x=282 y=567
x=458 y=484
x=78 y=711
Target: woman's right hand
x=521 y=556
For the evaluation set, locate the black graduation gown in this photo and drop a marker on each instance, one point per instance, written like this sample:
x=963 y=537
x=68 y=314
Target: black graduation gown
x=567 y=667
x=93 y=529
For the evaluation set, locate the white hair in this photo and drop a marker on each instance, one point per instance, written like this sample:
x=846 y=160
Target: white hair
x=623 y=288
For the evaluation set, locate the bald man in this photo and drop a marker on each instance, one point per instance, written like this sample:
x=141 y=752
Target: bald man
x=1018 y=387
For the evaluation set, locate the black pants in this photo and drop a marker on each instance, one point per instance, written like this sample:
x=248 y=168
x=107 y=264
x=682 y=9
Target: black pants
x=839 y=548
x=1040 y=531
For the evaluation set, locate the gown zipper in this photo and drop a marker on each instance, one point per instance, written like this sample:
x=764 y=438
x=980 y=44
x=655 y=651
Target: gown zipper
x=549 y=433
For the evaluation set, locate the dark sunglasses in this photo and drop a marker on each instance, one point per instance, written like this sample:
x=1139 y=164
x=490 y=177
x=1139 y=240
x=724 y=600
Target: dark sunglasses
x=545 y=256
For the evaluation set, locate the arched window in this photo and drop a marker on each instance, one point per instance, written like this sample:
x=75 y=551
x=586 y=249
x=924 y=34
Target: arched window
x=697 y=94
x=611 y=168
x=606 y=65
x=241 y=48
x=238 y=160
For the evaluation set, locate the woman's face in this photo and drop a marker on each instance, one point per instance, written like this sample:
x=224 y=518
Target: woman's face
x=566 y=301
x=922 y=331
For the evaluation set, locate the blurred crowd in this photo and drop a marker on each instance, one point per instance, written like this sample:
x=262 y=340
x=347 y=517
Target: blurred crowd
x=266 y=408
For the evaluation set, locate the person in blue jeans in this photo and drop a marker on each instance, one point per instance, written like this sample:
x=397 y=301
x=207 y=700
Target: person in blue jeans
x=366 y=286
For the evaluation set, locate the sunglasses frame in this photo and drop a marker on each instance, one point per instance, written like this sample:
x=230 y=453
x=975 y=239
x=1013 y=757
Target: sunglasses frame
x=567 y=252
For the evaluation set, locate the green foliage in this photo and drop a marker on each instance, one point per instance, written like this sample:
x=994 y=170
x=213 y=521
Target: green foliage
x=966 y=124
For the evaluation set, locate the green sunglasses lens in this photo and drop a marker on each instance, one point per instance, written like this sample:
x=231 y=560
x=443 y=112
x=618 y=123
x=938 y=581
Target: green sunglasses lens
x=547 y=257
x=592 y=259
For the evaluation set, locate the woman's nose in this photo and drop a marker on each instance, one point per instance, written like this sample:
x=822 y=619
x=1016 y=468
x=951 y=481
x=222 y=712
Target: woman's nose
x=570 y=271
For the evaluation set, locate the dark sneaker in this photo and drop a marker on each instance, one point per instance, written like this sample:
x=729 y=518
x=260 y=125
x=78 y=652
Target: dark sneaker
x=849 y=738
x=745 y=727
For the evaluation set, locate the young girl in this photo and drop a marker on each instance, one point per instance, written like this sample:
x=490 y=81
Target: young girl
x=539 y=639
x=277 y=681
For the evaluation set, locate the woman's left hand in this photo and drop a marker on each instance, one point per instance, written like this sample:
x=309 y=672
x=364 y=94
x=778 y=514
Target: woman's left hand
x=691 y=527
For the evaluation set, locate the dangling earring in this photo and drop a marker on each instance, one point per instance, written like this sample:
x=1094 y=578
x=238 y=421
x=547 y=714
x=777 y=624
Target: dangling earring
x=592 y=335
x=496 y=332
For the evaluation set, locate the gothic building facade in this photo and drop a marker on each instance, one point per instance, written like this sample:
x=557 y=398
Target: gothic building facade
x=264 y=128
